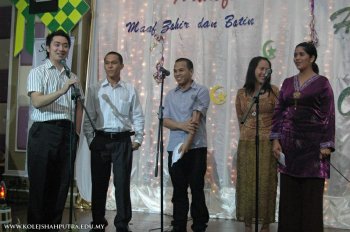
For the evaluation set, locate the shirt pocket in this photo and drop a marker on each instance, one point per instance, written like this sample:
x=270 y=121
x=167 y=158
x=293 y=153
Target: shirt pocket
x=124 y=107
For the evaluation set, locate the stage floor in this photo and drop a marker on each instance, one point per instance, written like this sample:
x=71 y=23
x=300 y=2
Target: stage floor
x=142 y=222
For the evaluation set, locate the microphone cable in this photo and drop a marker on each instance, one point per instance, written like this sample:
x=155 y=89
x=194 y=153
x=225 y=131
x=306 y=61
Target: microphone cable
x=338 y=171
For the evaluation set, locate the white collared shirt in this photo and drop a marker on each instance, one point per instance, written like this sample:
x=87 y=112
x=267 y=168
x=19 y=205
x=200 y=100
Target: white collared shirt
x=47 y=79
x=114 y=109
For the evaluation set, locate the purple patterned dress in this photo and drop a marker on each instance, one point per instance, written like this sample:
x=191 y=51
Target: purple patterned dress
x=304 y=122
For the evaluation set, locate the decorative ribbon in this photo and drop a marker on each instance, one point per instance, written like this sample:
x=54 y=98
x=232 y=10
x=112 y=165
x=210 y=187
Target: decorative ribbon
x=158 y=75
x=29 y=43
x=313 y=33
x=24 y=27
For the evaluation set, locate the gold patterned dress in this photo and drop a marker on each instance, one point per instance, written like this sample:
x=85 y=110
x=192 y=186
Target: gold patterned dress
x=246 y=155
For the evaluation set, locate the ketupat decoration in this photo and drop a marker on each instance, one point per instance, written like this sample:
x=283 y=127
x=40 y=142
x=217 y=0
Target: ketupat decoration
x=68 y=15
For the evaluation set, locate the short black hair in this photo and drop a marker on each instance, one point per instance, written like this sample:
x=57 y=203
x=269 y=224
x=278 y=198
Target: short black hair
x=49 y=39
x=117 y=54
x=189 y=63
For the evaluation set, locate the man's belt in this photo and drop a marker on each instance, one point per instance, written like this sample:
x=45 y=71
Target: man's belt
x=115 y=135
x=60 y=123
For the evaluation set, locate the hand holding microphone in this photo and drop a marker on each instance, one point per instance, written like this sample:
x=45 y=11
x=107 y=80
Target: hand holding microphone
x=69 y=82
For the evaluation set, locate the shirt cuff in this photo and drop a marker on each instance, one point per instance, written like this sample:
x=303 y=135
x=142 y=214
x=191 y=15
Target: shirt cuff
x=328 y=144
x=138 y=138
x=200 y=109
x=274 y=135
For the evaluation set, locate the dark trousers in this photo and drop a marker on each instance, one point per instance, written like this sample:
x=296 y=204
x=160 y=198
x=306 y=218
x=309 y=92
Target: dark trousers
x=301 y=204
x=187 y=172
x=104 y=153
x=49 y=149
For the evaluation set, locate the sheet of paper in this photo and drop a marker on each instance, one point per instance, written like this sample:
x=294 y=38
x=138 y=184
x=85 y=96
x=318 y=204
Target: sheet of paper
x=176 y=154
x=282 y=159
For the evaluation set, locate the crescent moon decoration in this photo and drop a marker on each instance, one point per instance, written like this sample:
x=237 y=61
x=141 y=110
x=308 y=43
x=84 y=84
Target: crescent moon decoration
x=217 y=95
x=343 y=95
x=268 y=52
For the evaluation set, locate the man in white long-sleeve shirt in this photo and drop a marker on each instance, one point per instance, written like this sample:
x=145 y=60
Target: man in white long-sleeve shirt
x=115 y=111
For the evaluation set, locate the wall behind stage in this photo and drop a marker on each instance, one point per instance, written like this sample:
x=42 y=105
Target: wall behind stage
x=220 y=37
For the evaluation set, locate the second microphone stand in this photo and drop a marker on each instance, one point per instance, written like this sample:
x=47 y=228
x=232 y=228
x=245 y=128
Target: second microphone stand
x=73 y=144
x=76 y=96
x=160 y=152
x=256 y=99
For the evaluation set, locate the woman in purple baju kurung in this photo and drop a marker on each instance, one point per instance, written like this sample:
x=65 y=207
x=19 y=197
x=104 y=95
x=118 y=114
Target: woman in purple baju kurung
x=303 y=129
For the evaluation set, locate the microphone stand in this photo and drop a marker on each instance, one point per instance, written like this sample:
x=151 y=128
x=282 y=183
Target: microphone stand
x=75 y=96
x=256 y=102
x=160 y=151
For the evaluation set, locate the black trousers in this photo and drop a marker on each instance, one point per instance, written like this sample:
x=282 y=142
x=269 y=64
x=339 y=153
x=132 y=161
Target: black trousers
x=49 y=149
x=189 y=171
x=301 y=204
x=105 y=152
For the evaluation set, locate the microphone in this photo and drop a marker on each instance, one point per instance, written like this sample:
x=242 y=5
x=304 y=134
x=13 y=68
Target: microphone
x=164 y=71
x=76 y=91
x=63 y=62
x=268 y=73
